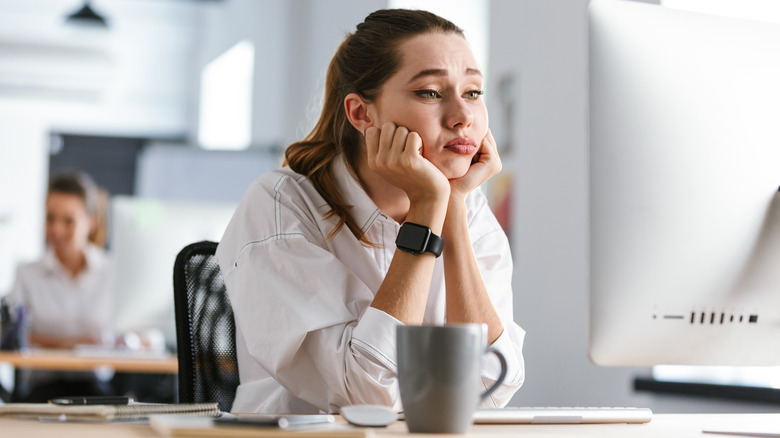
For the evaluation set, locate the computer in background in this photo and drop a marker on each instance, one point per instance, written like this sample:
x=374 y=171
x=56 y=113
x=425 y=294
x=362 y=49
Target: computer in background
x=146 y=234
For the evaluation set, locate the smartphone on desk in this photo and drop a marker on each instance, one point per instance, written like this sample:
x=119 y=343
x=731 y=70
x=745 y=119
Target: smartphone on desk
x=280 y=421
x=91 y=400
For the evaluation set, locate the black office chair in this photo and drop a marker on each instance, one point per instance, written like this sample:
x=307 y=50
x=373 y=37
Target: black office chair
x=205 y=329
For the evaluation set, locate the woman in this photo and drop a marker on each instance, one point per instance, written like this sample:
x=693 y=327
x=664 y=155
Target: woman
x=67 y=295
x=323 y=260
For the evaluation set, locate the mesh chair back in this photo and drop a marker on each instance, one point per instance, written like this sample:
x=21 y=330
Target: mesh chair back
x=205 y=329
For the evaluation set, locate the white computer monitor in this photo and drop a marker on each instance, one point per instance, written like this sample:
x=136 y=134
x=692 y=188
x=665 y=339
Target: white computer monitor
x=145 y=237
x=684 y=175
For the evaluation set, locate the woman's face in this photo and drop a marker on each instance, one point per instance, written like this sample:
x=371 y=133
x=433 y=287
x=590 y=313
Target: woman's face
x=437 y=93
x=67 y=222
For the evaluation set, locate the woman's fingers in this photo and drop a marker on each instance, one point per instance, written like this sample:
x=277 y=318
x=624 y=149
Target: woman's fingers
x=372 y=143
x=394 y=152
x=386 y=136
x=399 y=140
x=486 y=164
x=413 y=145
x=490 y=149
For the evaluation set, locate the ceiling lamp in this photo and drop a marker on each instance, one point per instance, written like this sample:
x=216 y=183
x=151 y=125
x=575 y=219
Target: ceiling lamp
x=87 y=16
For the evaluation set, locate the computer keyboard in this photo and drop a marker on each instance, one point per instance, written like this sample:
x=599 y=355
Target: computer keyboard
x=562 y=415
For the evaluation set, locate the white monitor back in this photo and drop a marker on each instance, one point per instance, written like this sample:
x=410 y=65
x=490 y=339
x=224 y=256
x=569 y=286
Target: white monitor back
x=146 y=235
x=684 y=175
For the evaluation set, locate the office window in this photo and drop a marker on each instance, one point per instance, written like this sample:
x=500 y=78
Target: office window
x=226 y=99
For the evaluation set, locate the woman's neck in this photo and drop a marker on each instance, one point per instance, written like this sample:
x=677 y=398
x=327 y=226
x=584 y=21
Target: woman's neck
x=73 y=260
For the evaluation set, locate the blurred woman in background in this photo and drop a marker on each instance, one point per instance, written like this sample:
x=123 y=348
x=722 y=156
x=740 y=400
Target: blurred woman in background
x=67 y=296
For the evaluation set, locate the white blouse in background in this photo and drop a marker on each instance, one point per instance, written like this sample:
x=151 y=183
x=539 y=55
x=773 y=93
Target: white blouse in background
x=307 y=338
x=60 y=305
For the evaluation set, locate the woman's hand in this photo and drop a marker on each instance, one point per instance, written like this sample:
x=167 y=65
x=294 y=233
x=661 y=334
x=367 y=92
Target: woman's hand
x=485 y=165
x=396 y=153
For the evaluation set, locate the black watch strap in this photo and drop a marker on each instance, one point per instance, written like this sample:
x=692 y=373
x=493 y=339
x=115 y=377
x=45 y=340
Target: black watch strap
x=418 y=239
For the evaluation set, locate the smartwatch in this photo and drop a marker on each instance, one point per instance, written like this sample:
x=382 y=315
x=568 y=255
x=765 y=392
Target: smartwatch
x=418 y=239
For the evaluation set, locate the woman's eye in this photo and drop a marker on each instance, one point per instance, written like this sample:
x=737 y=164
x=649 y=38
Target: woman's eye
x=474 y=94
x=428 y=94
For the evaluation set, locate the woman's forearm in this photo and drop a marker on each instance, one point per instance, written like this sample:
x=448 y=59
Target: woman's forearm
x=404 y=291
x=467 y=298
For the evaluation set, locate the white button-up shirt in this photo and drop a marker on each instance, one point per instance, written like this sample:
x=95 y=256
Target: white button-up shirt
x=307 y=339
x=61 y=305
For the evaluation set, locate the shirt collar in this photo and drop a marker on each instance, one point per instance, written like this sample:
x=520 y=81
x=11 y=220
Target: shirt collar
x=50 y=261
x=364 y=211
x=91 y=253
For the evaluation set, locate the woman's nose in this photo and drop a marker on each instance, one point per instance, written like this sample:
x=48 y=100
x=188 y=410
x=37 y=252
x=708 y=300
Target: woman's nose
x=54 y=229
x=459 y=114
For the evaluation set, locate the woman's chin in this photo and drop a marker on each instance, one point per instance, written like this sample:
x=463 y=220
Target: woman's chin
x=456 y=171
x=63 y=248
x=453 y=166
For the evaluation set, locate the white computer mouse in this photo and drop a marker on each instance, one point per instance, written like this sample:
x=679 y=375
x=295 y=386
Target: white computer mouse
x=369 y=415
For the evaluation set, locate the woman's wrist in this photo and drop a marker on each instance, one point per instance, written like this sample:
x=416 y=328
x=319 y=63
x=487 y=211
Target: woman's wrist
x=434 y=193
x=430 y=214
x=455 y=223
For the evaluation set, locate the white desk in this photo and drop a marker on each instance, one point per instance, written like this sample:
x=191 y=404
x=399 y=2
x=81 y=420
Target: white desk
x=663 y=425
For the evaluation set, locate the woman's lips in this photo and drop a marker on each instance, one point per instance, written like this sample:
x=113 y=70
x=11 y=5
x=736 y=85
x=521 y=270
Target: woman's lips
x=463 y=146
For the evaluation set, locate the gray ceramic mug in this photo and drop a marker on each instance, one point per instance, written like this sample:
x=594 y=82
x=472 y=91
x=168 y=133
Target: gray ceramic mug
x=439 y=371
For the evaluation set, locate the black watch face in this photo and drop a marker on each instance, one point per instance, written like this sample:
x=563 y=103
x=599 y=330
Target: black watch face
x=413 y=237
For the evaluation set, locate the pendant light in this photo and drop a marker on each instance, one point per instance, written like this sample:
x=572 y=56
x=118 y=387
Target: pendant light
x=87 y=16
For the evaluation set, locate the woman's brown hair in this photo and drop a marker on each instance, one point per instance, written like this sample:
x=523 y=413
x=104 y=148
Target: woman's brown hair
x=365 y=60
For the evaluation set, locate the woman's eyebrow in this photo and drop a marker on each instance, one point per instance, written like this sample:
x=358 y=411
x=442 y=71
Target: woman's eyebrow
x=443 y=72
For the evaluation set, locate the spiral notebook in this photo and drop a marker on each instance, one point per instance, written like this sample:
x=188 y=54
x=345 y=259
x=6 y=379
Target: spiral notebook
x=105 y=413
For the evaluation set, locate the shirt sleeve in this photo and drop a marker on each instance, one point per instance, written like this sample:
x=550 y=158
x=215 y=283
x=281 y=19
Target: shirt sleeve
x=312 y=326
x=491 y=248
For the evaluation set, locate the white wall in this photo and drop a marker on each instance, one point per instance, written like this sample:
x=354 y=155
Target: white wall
x=23 y=169
x=179 y=173
x=542 y=44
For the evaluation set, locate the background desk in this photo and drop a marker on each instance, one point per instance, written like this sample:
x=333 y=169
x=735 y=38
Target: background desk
x=147 y=377
x=663 y=425
x=64 y=360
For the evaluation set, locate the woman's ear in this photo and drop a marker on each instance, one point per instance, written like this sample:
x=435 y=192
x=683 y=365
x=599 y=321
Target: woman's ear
x=359 y=112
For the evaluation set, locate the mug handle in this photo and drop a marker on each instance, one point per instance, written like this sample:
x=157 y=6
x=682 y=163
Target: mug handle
x=501 y=376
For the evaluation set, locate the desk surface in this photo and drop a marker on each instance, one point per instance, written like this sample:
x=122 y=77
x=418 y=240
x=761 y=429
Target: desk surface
x=64 y=360
x=663 y=425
